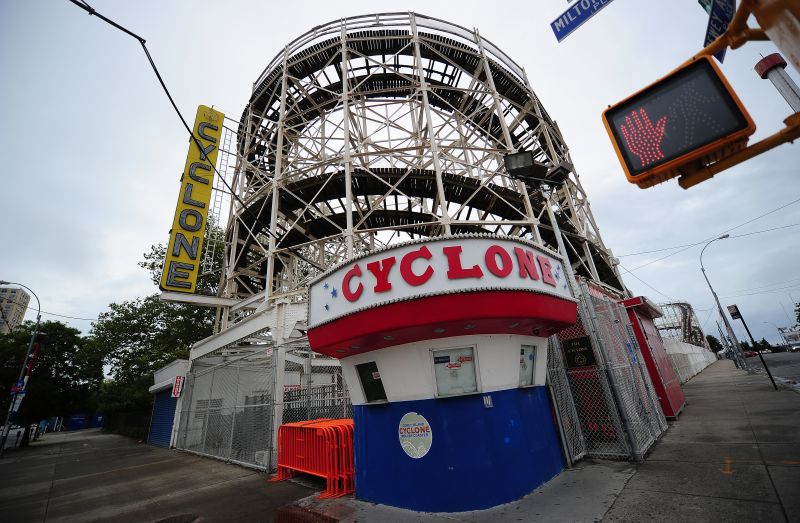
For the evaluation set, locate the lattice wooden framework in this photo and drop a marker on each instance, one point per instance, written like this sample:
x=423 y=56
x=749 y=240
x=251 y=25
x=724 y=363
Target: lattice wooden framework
x=377 y=129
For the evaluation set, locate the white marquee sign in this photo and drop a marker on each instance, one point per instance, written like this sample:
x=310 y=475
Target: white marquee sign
x=435 y=266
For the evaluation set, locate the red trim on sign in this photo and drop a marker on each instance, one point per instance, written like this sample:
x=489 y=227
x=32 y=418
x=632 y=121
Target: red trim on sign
x=443 y=316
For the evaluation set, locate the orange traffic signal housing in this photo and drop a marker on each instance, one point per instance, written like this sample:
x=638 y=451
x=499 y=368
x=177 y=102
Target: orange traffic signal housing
x=678 y=124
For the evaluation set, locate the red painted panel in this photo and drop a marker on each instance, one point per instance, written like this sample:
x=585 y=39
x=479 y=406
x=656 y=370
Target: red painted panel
x=665 y=381
x=442 y=316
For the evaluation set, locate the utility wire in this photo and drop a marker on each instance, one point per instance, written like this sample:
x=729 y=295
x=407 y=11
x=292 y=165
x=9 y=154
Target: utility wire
x=765 y=230
x=718 y=234
x=658 y=250
x=629 y=271
x=644 y=282
x=64 y=315
x=767 y=286
x=772 y=291
x=702 y=242
x=92 y=12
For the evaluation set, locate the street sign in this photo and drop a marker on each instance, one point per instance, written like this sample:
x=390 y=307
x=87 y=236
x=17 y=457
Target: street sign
x=17 y=401
x=575 y=16
x=733 y=310
x=719 y=16
x=690 y=115
x=705 y=4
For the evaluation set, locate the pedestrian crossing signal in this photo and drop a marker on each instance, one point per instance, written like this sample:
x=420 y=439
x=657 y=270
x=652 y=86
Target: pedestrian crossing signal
x=678 y=124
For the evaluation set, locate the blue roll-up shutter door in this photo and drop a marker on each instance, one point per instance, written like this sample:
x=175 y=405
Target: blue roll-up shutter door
x=163 y=416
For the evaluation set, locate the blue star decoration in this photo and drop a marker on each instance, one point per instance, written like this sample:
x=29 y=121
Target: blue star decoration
x=325 y=285
x=334 y=293
x=327 y=307
x=558 y=274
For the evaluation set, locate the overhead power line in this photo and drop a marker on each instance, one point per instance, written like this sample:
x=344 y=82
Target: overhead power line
x=772 y=291
x=720 y=234
x=92 y=12
x=699 y=243
x=647 y=284
x=767 y=286
x=64 y=315
x=702 y=242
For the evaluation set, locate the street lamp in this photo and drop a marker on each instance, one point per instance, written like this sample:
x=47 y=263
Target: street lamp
x=737 y=349
x=11 y=412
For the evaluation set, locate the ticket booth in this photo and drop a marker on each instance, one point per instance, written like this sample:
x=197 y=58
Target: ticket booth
x=642 y=313
x=443 y=347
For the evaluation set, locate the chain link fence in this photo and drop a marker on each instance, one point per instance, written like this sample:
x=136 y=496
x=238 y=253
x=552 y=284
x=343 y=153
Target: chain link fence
x=230 y=410
x=228 y=406
x=637 y=402
x=613 y=399
x=569 y=422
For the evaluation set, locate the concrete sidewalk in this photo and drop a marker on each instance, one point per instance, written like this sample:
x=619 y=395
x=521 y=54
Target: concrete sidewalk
x=733 y=455
x=89 y=475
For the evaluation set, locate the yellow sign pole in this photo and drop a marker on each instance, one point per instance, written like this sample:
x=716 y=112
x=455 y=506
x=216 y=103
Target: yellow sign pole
x=182 y=262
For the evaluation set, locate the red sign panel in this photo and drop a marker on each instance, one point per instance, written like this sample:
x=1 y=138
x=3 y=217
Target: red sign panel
x=177 y=386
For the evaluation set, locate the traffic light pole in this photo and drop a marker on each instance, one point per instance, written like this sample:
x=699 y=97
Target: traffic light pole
x=770 y=15
x=699 y=173
x=761 y=357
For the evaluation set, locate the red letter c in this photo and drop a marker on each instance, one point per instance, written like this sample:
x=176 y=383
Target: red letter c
x=349 y=275
x=405 y=267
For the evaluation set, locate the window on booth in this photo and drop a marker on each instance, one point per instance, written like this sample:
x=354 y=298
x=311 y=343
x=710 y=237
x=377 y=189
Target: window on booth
x=371 y=382
x=454 y=370
x=527 y=364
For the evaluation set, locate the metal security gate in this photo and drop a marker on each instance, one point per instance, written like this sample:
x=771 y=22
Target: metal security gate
x=572 y=439
x=231 y=410
x=631 y=387
x=227 y=409
x=605 y=400
x=162 y=419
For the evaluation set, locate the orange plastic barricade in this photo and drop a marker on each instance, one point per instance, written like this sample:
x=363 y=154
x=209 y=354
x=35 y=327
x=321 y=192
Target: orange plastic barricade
x=322 y=447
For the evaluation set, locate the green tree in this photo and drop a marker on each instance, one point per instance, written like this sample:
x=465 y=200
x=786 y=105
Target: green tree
x=140 y=336
x=145 y=334
x=66 y=373
x=714 y=343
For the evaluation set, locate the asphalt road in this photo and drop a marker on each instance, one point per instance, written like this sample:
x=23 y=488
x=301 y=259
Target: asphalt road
x=784 y=365
x=89 y=475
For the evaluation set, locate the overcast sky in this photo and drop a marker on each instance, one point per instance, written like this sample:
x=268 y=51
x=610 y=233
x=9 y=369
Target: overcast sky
x=94 y=152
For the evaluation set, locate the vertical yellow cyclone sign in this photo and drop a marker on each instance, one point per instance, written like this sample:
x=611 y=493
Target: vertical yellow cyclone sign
x=186 y=237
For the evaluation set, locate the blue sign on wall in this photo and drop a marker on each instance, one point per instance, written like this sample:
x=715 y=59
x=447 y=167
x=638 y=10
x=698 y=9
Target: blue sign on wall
x=719 y=17
x=575 y=16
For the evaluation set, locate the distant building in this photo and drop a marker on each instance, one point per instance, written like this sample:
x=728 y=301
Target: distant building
x=13 y=304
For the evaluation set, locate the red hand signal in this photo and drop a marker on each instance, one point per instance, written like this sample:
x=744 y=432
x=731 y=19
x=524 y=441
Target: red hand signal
x=642 y=138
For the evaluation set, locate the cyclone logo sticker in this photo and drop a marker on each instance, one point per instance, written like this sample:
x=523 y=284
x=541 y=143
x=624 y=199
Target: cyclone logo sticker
x=416 y=436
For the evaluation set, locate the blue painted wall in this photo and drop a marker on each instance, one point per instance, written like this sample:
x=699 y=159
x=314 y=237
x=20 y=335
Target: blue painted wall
x=480 y=457
x=77 y=422
x=163 y=416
